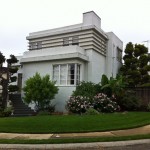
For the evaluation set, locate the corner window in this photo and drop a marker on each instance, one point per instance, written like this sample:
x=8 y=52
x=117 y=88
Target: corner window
x=66 y=74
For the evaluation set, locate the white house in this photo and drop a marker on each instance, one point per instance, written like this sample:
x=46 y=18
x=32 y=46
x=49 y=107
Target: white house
x=71 y=54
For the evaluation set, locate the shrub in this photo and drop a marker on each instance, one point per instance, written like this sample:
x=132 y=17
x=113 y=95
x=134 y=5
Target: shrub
x=86 y=89
x=91 y=111
x=13 y=70
x=40 y=90
x=78 y=104
x=130 y=102
x=13 y=88
x=13 y=79
x=104 y=104
x=100 y=102
x=6 y=112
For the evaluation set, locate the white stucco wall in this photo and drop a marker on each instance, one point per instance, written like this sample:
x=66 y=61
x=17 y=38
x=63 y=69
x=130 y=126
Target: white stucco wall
x=96 y=66
x=29 y=69
x=112 y=64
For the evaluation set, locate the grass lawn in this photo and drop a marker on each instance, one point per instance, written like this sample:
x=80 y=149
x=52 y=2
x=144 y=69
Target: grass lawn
x=74 y=123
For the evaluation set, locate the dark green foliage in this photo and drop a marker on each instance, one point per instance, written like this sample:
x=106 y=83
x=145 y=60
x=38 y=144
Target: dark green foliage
x=145 y=85
x=2 y=59
x=92 y=111
x=13 y=79
x=87 y=89
x=12 y=60
x=40 y=90
x=13 y=88
x=6 y=112
x=130 y=102
x=136 y=67
x=13 y=69
x=113 y=86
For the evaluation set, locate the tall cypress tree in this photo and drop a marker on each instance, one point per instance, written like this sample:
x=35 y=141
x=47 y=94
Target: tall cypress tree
x=136 y=67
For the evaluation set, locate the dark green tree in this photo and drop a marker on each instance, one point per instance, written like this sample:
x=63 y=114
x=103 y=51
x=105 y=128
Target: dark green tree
x=135 y=68
x=12 y=73
x=2 y=59
x=40 y=90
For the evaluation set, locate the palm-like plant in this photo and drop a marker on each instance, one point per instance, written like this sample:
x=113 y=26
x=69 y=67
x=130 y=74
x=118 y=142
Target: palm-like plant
x=114 y=86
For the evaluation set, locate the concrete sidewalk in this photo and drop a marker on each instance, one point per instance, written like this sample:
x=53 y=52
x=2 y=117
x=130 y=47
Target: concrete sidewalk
x=119 y=145
x=128 y=132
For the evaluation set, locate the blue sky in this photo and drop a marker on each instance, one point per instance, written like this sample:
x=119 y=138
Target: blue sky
x=128 y=19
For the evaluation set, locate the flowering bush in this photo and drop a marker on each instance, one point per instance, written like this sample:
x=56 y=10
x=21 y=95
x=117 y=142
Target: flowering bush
x=102 y=103
x=78 y=104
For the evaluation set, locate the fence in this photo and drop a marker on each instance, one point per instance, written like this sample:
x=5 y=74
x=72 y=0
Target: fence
x=143 y=93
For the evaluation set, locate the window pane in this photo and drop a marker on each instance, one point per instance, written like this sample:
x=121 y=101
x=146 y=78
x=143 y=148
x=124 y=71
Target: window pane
x=78 y=75
x=71 y=74
x=56 y=73
x=65 y=41
x=75 y=40
x=63 y=74
x=66 y=74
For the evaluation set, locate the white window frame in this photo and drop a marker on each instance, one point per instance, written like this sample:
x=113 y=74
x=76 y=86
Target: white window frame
x=67 y=67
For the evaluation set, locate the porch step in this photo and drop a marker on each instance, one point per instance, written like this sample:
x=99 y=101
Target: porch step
x=20 y=108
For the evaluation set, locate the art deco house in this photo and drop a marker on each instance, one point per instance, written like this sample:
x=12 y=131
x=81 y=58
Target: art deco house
x=72 y=54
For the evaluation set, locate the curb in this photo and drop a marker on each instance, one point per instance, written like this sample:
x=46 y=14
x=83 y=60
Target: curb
x=76 y=146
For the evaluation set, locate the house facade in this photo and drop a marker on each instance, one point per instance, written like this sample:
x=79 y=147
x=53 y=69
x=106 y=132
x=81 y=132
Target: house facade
x=72 y=54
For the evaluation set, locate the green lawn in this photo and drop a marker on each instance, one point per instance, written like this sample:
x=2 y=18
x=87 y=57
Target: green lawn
x=74 y=123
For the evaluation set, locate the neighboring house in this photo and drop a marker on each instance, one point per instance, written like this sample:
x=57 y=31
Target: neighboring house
x=71 y=54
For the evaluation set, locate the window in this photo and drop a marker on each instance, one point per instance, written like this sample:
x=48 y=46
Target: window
x=75 y=40
x=119 y=54
x=66 y=41
x=39 y=45
x=66 y=74
x=33 y=45
x=36 y=45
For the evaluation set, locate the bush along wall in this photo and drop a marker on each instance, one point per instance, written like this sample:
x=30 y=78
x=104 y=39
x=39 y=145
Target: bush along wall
x=100 y=102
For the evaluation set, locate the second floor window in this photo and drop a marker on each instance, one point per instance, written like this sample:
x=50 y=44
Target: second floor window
x=36 y=45
x=119 y=55
x=66 y=41
x=75 y=40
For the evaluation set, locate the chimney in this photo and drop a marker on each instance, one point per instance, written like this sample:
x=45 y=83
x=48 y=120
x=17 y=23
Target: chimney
x=91 y=18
